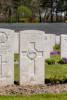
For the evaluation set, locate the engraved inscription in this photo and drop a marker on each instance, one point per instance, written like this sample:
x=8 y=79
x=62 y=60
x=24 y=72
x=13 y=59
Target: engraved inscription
x=0 y=65
x=32 y=54
x=3 y=37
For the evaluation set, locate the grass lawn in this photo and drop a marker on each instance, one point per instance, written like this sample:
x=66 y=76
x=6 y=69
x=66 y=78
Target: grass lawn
x=16 y=73
x=55 y=57
x=16 y=69
x=56 y=70
x=36 y=97
x=59 y=71
x=16 y=57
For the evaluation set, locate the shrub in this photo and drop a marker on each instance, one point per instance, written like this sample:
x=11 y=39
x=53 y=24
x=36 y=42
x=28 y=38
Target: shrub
x=62 y=61
x=36 y=20
x=50 y=61
x=57 y=46
x=23 y=11
x=55 y=80
x=65 y=59
x=24 y=20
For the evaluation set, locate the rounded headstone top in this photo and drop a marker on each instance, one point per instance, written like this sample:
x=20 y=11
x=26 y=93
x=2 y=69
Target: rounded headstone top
x=31 y=31
x=6 y=30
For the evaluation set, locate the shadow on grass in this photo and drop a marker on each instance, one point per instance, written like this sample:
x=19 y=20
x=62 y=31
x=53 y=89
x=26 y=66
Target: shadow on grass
x=49 y=81
x=55 y=81
x=16 y=82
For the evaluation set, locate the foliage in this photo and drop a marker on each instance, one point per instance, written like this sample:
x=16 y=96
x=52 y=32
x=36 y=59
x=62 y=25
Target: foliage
x=66 y=21
x=63 y=61
x=23 y=11
x=58 y=70
x=56 y=80
x=60 y=6
x=16 y=57
x=14 y=18
x=9 y=8
x=57 y=46
x=50 y=61
x=55 y=57
x=36 y=20
x=25 y=20
x=21 y=15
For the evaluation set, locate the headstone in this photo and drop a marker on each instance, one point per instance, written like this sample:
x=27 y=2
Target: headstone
x=57 y=39
x=6 y=57
x=32 y=44
x=16 y=42
x=52 y=41
x=63 y=46
x=47 y=46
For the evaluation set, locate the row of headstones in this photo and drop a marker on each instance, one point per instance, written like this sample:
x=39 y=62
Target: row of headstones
x=54 y=39
x=33 y=47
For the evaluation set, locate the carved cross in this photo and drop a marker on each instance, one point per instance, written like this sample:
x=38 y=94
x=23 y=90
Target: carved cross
x=32 y=54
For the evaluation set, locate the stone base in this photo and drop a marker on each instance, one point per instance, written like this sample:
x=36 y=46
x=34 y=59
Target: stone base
x=4 y=81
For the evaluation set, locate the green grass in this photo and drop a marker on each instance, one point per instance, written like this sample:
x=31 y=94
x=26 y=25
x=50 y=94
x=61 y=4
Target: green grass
x=16 y=73
x=57 y=47
x=58 y=50
x=16 y=57
x=36 y=97
x=55 y=57
x=16 y=69
x=56 y=70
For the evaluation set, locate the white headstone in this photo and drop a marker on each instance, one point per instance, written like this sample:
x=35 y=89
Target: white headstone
x=6 y=57
x=63 y=46
x=32 y=44
x=47 y=46
x=16 y=42
x=53 y=41
x=57 y=39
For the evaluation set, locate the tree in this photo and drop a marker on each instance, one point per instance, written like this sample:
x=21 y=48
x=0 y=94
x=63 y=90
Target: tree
x=6 y=9
x=65 y=8
x=34 y=5
x=23 y=11
x=60 y=7
x=46 y=4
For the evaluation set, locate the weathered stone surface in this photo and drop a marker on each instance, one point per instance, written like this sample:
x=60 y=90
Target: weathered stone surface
x=6 y=57
x=47 y=46
x=32 y=47
x=16 y=42
x=57 y=39
x=53 y=41
x=63 y=46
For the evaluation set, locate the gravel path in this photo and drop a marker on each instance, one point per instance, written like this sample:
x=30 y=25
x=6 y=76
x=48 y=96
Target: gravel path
x=37 y=89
